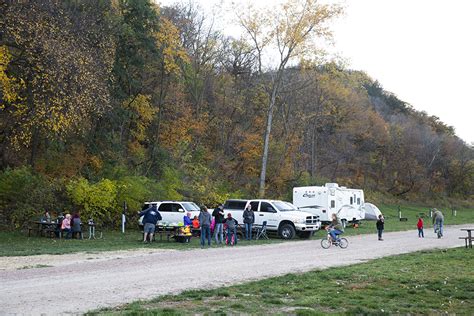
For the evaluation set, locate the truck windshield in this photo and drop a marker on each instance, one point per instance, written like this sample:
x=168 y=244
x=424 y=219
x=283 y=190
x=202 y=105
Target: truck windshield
x=284 y=206
x=190 y=206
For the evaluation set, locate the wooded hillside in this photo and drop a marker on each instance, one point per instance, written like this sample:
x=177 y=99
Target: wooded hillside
x=118 y=100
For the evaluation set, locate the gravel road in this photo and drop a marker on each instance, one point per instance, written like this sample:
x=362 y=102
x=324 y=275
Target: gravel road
x=82 y=282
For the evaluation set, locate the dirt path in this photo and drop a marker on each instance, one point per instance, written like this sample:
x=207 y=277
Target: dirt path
x=82 y=282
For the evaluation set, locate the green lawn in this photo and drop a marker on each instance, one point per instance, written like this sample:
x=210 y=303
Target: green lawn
x=433 y=282
x=19 y=244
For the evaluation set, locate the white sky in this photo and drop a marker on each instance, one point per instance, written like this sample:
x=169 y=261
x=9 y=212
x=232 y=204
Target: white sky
x=421 y=50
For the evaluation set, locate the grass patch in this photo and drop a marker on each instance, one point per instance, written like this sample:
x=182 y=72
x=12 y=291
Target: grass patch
x=428 y=282
x=17 y=243
x=115 y=240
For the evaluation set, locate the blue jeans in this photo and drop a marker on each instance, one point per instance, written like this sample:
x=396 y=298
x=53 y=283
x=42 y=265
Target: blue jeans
x=439 y=225
x=219 y=229
x=248 y=231
x=335 y=234
x=420 y=233
x=205 y=234
x=231 y=233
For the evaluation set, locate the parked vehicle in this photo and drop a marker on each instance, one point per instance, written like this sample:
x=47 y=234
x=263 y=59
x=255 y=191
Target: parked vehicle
x=172 y=212
x=282 y=217
x=325 y=200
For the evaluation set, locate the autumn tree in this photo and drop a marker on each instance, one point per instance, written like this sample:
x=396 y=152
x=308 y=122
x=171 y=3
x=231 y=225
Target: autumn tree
x=290 y=32
x=60 y=55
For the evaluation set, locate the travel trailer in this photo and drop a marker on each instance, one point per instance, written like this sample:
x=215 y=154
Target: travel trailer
x=348 y=204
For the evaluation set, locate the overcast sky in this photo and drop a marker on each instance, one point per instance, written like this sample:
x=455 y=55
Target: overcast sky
x=421 y=50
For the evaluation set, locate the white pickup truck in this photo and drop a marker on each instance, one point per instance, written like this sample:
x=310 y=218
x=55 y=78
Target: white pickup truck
x=281 y=217
x=172 y=212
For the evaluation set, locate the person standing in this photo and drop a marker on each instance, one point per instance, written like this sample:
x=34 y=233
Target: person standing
x=419 y=225
x=76 y=225
x=438 y=221
x=249 y=219
x=205 y=222
x=218 y=214
x=380 y=226
x=151 y=216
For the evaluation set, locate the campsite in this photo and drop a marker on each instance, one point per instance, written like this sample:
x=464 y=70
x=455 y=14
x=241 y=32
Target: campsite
x=288 y=157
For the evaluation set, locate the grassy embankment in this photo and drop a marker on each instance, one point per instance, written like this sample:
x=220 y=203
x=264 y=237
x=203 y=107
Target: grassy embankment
x=19 y=244
x=433 y=282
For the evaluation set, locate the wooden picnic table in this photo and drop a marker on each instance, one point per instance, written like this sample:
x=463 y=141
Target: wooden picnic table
x=43 y=227
x=468 y=240
x=51 y=228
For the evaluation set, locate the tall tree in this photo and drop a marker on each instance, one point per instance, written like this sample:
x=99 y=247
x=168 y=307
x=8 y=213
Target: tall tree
x=290 y=31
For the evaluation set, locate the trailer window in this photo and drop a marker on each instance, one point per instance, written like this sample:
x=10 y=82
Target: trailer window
x=358 y=201
x=351 y=200
x=333 y=204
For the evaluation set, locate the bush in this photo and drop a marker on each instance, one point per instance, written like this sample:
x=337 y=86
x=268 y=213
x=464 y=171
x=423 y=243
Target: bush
x=25 y=195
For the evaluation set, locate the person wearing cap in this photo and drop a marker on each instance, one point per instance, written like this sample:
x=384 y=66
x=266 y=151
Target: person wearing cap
x=151 y=216
x=218 y=214
x=205 y=222
x=231 y=228
x=438 y=221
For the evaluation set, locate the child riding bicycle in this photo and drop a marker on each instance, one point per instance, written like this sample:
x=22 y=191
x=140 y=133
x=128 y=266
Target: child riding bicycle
x=335 y=228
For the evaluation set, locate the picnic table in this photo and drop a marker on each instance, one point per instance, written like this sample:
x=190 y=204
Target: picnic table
x=43 y=227
x=468 y=240
x=50 y=229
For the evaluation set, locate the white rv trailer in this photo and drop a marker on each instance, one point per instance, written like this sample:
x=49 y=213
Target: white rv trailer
x=325 y=200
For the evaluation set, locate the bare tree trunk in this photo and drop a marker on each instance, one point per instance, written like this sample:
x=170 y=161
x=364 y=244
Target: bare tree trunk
x=266 y=142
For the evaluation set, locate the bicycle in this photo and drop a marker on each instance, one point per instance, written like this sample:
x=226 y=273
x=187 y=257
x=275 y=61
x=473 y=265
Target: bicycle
x=328 y=241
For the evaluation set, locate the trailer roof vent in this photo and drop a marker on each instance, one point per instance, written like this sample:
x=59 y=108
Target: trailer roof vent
x=331 y=185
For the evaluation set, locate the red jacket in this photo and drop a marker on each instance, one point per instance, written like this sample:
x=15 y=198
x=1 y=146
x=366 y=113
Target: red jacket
x=420 y=223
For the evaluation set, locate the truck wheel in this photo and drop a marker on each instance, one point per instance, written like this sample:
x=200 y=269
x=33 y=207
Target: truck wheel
x=287 y=231
x=305 y=235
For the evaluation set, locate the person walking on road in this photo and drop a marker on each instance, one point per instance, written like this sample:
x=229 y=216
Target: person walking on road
x=218 y=214
x=419 y=225
x=205 y=222
x=249 y=219
x=438 y=221
x=380 y=226
x=151 y=216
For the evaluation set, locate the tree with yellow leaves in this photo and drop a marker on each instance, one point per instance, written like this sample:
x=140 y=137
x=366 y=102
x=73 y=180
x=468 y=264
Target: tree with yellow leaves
x=288 y=31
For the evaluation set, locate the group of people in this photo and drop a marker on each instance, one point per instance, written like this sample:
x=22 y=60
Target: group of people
x=206 y=223
x=66 y=225
x=336 y=228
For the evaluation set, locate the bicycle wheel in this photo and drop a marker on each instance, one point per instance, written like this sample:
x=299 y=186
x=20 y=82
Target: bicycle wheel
x=343 y=243
x=325 y=243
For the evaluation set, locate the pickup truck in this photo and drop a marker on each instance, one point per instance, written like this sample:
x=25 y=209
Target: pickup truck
x=172 y=212
x=282 y=217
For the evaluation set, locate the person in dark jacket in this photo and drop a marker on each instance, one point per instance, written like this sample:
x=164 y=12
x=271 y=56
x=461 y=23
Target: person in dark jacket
x=218 y=214
x=249 y=219
x=76 y=225
x=380 y=226
x=231 y=224
x=151 y=216
x=205 y=222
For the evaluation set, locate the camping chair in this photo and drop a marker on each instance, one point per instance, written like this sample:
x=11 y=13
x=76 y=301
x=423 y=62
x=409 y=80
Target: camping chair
x=262 y=231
